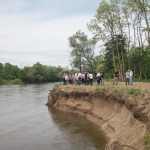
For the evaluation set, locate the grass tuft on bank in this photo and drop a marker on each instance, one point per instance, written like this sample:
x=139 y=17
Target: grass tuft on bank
x=1 y=81
x=145 y=141
x=130 y=91
x=16 y=81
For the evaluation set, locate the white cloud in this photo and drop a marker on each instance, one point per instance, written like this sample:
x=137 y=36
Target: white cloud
x=28 y=37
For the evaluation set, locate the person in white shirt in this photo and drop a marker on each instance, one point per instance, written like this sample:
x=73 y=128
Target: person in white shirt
x=131 y=76
x=91 y=78
x=98 y=78
x=83 y=77
x=76 y=77
x=127 y=75
x=66 y=78
x=79 y=78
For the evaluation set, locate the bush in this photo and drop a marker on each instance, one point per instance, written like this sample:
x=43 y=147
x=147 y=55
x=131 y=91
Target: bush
x=11 y=77
x=1 y=81
x=134 y=91
x=16 y=81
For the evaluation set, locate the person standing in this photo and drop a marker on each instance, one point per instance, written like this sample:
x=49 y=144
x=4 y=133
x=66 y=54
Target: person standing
x=98 y=78
x=116 y=76
x=131 y=76
x=127 y=76
x=85 y=78
x=79 y=78
x=91 y=78
x=88 y=78
x=102 y=78
x=64 y=79
x=76 y=77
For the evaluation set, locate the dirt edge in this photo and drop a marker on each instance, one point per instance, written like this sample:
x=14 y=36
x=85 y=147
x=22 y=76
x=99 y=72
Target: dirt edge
x=118 y=116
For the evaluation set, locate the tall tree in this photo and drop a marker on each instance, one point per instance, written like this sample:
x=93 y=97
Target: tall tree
x=106 y=26
x=82 y=50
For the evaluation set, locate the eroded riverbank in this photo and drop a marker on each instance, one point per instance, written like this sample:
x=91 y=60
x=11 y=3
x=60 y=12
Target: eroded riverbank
x=121 y=112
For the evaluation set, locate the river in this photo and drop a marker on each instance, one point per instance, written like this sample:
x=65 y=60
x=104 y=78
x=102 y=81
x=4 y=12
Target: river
x=27 y=124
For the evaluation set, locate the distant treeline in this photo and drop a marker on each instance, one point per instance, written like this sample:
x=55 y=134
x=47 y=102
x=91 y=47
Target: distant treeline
x=38 y=73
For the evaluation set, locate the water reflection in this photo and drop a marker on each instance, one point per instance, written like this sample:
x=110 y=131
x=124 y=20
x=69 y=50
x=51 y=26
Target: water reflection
x=80 y=132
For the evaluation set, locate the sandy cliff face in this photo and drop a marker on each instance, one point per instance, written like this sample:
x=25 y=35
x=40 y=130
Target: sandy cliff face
x=122 y=117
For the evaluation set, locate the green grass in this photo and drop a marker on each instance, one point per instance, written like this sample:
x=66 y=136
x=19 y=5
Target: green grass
x=57 y=85
x=137 y=80
x=1 y=81
x=130 y=91
x=6 y=81
x=145 y=140
x=100 y=89
x=133 y=91
x=16 y=81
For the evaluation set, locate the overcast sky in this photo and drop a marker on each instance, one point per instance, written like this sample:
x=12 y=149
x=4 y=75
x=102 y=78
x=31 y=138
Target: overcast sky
x=37 y=30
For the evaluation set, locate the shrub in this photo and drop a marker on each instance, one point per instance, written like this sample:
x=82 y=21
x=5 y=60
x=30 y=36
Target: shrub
x=16 y=81
x=1 y=81
x=134 y=91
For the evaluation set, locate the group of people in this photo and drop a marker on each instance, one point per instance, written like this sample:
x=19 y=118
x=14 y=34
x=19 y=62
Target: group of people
x=100 y=78
x=87 y=78
x=78 y=78
x=83 y=78
x=128 y=77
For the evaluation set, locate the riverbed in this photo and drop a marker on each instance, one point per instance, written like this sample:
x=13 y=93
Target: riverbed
x=27 y=124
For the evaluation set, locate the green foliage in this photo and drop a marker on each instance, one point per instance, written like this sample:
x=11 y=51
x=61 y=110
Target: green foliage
x=57 y=85
x=38 y=73
x=1 y=69
x=133 y=91
x=16 y=81
x=11 y=77
x=82 y=51
x=145 y=140
x=112 y=26
x=141 y=80
x=1 y=81
x=22 y=75
x=9 y=71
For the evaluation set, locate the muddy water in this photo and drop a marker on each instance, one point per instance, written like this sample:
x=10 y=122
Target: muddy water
x=27 y=124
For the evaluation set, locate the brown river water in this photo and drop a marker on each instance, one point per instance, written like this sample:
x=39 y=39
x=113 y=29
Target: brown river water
x=27 y=124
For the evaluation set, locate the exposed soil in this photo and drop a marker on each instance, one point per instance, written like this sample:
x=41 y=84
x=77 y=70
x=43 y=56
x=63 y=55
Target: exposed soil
x=121 y=112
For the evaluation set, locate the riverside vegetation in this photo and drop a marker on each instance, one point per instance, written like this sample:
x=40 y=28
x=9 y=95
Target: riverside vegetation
x=121 y=111
x=38 y=73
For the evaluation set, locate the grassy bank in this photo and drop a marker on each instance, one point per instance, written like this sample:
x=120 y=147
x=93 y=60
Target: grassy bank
x=15 y=81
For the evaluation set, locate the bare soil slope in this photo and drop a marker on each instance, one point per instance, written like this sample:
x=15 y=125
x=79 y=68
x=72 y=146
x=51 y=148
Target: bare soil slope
x=121 y=112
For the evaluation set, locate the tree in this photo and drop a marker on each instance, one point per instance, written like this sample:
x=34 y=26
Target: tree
x=82 y=50
x=1 y=69
x=119 y=24
x=22 y=75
